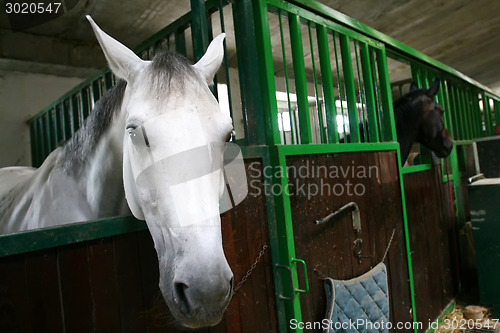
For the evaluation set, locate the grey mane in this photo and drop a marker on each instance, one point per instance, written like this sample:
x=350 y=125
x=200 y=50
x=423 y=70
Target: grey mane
x=166 y=69
x=76 y=151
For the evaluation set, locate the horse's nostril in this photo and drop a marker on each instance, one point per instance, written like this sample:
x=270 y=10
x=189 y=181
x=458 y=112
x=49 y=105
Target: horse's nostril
x=180 y=291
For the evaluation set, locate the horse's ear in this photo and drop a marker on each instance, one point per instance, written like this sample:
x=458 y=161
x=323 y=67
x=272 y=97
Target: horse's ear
x=209 y=64
x=434 y=88
x=123 y=62
x=413 y=86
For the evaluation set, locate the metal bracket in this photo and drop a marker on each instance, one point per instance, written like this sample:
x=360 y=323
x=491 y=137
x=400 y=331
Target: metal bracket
x=297 y=290
x=356 y=220
x=356 y=225
x=289 y=270
x=294 y=290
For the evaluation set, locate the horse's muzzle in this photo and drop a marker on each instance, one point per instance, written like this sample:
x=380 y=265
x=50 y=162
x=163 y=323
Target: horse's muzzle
x=203 y=304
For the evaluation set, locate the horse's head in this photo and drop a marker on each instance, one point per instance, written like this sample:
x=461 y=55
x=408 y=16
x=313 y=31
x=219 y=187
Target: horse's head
x=431 y=131
x=173 y=150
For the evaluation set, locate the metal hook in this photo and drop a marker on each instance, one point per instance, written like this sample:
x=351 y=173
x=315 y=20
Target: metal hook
x=358 y=250
x=356 y=225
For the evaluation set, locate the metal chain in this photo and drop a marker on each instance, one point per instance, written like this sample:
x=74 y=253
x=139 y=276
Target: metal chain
x=250 y=271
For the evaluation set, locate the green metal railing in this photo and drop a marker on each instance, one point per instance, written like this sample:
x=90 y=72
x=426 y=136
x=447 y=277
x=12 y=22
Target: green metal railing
x=346 y=87
x=55 y=124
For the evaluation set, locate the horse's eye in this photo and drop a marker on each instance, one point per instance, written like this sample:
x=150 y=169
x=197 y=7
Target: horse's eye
x=229 y=136
x=138 y=136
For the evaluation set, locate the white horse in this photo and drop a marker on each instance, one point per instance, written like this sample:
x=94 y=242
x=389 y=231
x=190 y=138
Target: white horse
x=156 y=139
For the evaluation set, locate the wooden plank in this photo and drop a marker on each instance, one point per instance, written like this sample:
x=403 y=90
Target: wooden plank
x=13 y=296
x=42 y=287
x=128 y=282
x=100 y=259
x=432 y=242
x=231 y=321
x=75 y=287
x=156 y=313
x=396 y=262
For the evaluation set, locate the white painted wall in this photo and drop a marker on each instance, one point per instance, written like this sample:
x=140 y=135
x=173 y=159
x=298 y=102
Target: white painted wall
x=22 y=95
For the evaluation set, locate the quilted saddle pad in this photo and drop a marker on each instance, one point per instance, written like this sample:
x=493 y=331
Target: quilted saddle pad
x=360 y=304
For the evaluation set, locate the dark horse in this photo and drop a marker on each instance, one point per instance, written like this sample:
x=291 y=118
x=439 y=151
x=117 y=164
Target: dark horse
x=419 y=118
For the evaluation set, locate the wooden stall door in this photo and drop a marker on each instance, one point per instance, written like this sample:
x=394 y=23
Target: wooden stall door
x=329 y=248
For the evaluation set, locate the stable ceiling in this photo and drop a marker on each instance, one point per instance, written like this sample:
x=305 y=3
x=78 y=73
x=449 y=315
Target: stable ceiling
x=462 y=34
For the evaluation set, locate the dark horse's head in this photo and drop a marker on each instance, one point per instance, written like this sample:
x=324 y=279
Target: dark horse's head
x=420 y=118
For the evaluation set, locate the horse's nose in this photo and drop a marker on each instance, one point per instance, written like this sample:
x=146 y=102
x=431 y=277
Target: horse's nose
x=448 y=142
x=203 y=291
x=211 y=297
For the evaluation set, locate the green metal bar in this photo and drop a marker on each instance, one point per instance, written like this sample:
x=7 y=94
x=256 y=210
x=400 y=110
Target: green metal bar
x=52 y=129
x=497 y=112
x=84 y=106
x=472 y=113
x=444 y=99
x=46 y=129
x=35 y=144
x=477 y=115
x=199 y=28
x=32 y=144
x=340 y=86
x=454 y=111
x=407 y=241
x=43 y=138
x=250 y=80
x=386 y=94
x=285 y=230
x=468 y=116
x=463 y=113
x=316 y=90
x=314 y=149
x=350 y=88
x=75 y=106
x=487 y=115
x=226 y=62
x=458 y=112
x=378 y=95
x=442 y=316
x=371 y=108
x=180 y=41
x=327 y=82
x=299 y=71
x=293 y=127
x=40 y=239
x=58 y=120
x=416 y=74
x=306 y=279
x=416 y=168
x=362 y=97
x=64 y=120
x=108 y=81
x=266 y=70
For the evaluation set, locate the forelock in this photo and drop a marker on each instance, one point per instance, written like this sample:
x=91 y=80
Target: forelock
x=169 y=69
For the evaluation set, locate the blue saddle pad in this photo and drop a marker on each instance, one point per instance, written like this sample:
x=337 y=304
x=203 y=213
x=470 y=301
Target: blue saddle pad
x=360 y=304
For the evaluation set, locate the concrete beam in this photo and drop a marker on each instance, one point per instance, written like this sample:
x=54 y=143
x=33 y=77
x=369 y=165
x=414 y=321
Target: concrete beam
x=25 y=52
